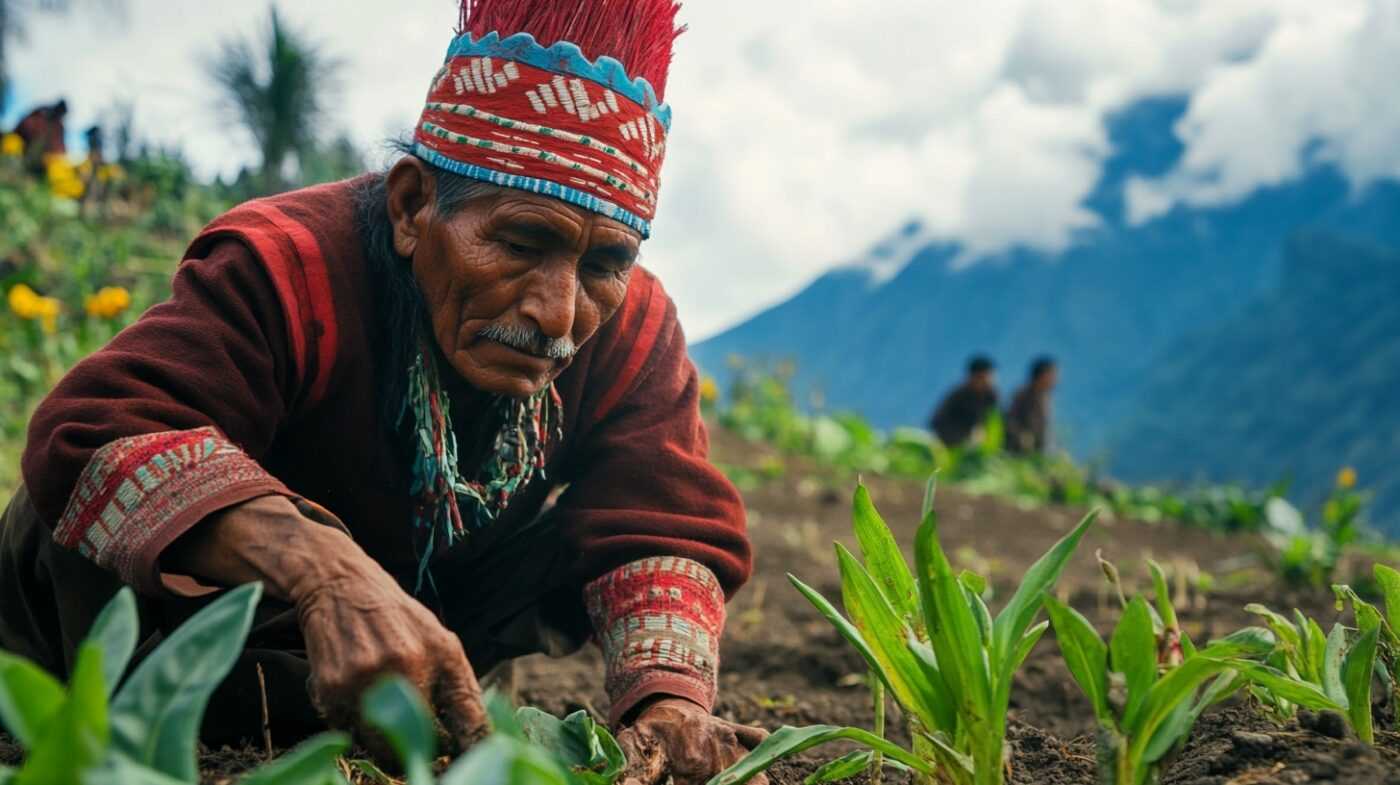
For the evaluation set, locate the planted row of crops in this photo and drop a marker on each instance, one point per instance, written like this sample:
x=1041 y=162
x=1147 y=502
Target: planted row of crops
x=926 y=634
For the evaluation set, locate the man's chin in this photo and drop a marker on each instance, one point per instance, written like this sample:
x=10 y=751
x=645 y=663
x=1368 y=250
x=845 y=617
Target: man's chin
x=508 y=382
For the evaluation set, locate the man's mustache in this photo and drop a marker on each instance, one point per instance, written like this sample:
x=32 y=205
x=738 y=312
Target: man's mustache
x=530 y=340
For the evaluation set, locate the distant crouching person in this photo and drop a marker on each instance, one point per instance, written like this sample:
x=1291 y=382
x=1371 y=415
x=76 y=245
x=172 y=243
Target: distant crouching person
x=964 y=409
x=1028 y=419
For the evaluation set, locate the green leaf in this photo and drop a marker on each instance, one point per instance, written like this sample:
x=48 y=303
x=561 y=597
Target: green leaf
x=1357 y=669
x=847 y=630
x=1332 y=665
x=1020 y=611
x=1133 y=650
x=502 y=714
x=579 y=743
x=1288 y=634
x=29 y=698
x=1173 y=731
x=930 y=488
x=945 y=715
x=1084 y=654
x=76 y=738
x=116 y=769
x=1177 y=686
x=952 y=626
x=1316 y=653
x=394 y=708
x=115 y=632
x=1389 y=581
x=885 y=632
x=882 y=556
x=1252 y=642
x=311 y=763
x=844 y=767
x=1282 y=685
x=788 y=741
x=157 y=712
x=1163 y=596
x=505 y=760
x=1028 y=642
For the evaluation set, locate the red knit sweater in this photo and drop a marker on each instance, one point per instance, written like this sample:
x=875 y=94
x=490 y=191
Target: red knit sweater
x=257 y=376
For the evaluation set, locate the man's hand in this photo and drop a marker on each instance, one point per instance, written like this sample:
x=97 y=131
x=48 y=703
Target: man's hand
x=677 y=738
x=357 y=622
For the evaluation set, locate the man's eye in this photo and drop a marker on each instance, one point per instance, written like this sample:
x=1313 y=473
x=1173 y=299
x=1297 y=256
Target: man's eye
x=518 y=249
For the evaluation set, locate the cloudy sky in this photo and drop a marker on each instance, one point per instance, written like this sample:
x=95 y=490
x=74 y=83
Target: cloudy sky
x=805 y=129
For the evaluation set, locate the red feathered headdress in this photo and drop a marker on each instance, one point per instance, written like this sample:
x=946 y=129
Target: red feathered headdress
x=558 y=98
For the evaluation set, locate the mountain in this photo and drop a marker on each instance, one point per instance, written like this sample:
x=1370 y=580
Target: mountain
x=1300 y=382
x=888 y=340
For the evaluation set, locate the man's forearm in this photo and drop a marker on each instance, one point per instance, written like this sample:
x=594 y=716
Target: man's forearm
x=264 y=539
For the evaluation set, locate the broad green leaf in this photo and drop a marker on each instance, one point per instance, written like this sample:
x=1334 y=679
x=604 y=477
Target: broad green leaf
x=579 y=743
x=882 y=556
x=115 y=632
x=974 y=583
x=1173 y=731
x=501 y=714
x=1316 y=654
x=1020 y=610
x=1084 y=653
x=1250 y=642
x=7 y=775
x=1389 y=581
x=157 y=712
x=1133 y=653
x=1028 y=642
x=505 y=760
x=1332 y=665
x=1368 y=616
x=75 y=739
x=788 y=741
x=945 y=715
x=1309 y=696
x=843 y=626
x=886 y=633
x=980 y=613
x=1287 y=633
x=952 y=626
x=120 y=770
x=844 y=767
x=946 y=756
x=311 y=763
x=394 y=708
x=29 y=698
x=1224 y=685
x=1357 y=669
x=1177 y=686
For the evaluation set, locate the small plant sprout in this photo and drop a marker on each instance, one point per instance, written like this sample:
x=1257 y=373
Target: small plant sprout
x=1376 y=640
x=1149 y=683
x=932 y=644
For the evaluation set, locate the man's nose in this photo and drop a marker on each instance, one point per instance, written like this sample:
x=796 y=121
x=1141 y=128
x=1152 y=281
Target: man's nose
x=550 y=299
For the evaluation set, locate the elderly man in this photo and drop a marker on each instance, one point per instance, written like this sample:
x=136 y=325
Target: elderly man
x=362 y=394
x=1028 y=417
x=964 y=409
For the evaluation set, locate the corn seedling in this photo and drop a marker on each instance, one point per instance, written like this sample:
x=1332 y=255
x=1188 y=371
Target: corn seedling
x=1376 y=640
x=145 y=732
x=1149 y=683
x=932 y=644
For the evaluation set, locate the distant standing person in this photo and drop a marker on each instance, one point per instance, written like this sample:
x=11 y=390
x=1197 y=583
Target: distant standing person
x=965 y=408
x=1028 y=419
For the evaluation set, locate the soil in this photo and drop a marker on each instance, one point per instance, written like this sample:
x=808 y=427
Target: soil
x=782 y=664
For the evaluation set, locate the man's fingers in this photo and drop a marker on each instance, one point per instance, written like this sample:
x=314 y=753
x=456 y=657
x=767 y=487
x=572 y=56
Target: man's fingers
x=646 y=761
x=457 y=698
x=749 y=735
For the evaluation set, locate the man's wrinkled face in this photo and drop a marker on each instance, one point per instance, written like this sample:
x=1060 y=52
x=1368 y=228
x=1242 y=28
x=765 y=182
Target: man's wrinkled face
x=514 y=282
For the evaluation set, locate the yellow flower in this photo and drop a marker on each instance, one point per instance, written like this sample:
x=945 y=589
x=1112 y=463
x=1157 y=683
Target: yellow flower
x=108 y=302
x=24 y=302
x=63 y=178
x=11 y=145
x=110 y=172
x=1346 y=478
x=709 y=390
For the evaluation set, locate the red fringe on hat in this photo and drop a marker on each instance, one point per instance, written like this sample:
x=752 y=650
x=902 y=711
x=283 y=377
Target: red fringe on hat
x=639 y=33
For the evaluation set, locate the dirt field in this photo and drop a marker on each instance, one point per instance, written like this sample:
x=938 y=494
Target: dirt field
x=783 y=664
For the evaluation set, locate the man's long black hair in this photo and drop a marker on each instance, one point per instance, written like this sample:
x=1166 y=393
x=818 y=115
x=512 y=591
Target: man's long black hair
x=402 y=324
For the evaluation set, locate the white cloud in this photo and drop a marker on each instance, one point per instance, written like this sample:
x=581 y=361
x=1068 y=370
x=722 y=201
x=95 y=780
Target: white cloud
x=807 y=128
x=1321 y=88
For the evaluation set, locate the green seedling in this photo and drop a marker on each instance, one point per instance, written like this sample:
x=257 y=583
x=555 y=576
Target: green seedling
x=1149 y=683
x=146 y=731
x=526 y=747
x=935 y=648
x=1384 y=651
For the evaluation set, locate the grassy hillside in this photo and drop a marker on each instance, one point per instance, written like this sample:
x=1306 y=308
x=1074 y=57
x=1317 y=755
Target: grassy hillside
x=1303 y=379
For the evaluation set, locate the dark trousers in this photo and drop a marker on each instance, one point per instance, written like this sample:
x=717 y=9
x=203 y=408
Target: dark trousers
x=507 y=595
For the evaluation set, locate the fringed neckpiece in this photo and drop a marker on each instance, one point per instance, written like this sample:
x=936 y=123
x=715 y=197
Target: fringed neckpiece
x=523 y=429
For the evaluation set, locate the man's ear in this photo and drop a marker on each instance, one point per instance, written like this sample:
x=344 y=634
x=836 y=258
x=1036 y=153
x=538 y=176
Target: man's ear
x=411 y=191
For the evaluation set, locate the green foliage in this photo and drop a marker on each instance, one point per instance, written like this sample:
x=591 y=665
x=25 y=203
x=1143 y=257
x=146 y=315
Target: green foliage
x=931 y=642
x=526 y=747
x=1310 y=556
x=1148 y=684
x=147 y=732
x=760 y=406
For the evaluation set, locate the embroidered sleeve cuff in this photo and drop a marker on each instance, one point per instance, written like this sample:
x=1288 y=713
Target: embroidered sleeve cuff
x=138 y=494
x=658 y=621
